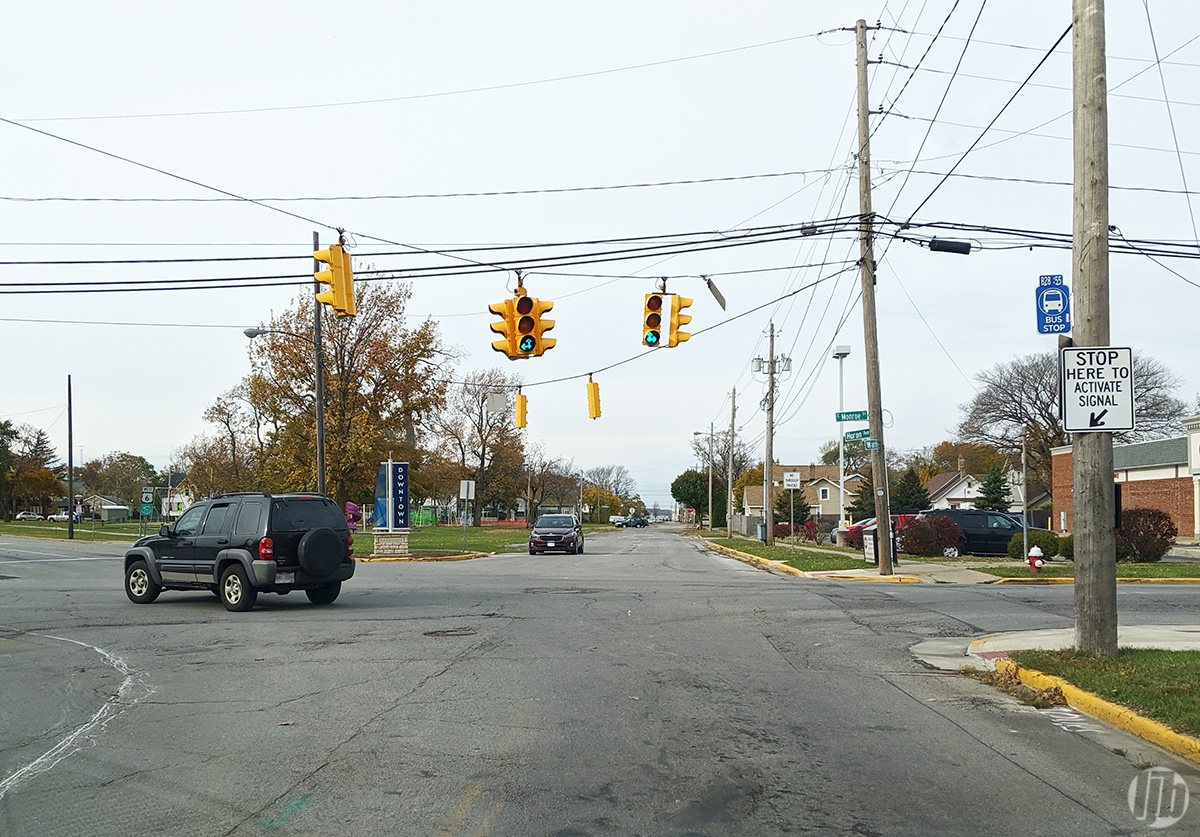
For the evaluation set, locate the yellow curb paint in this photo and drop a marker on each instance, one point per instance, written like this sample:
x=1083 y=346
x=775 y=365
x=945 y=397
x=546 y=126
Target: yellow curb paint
x=1111 y=713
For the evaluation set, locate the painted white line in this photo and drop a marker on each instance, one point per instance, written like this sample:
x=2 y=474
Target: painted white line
x=133 y=690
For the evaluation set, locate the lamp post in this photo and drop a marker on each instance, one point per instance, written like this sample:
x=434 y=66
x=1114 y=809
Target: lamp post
x=840 y=353
x=318 y=392
x=710 y=467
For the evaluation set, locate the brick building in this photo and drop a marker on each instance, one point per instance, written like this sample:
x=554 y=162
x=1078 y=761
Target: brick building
x=1162 y=474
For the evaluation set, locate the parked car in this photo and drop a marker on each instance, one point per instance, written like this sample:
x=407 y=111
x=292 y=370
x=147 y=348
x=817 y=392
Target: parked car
x=617 y=520
x=556 y=532
x=898 y=521
x=238 y=545
x=983 y=532
x=28 y=515
x=636 y=522
x=63 y=517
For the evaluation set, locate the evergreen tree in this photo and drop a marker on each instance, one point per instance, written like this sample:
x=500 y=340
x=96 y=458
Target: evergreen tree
x=993 y=492
x=908 y=496
x=863 y=505
x=783 y=507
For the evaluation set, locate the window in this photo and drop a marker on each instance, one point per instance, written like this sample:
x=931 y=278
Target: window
x=248 y=518
x=824 y=493
x=189 y=524
x=217 y=522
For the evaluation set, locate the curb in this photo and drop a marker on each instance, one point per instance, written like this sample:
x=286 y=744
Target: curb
x=772 y=566
x=386 y=559
x=1071 y=580
x=1111 y=713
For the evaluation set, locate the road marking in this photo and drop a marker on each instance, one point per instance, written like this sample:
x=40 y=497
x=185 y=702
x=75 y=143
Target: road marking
x=461 y=810
x=133 y=690
x=56 y=559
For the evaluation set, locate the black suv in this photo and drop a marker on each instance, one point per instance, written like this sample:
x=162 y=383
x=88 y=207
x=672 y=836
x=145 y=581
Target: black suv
x=238 y=544
x=983 y=532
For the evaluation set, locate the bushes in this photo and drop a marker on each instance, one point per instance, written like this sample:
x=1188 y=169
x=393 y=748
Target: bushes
x=1066 y=546
x=784 y=530
x=854 y=538
x=1048 y=542
x=928 y=535
x=1145 y=536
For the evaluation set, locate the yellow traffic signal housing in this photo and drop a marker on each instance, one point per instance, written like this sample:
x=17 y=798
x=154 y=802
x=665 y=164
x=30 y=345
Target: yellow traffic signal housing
x=520 y=410
x=340 y=279
x=652 y=315
x=593 y=392
x=678 y=318
x=522 y=325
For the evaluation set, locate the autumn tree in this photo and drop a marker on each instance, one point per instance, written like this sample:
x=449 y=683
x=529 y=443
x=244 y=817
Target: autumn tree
x=542 y=475
x=486 y=444
x=8 y=436
x=123 y=475
x=751 y=476
x=36 y=470
x=1019 y=399
x=854 y=454
x=742 y=456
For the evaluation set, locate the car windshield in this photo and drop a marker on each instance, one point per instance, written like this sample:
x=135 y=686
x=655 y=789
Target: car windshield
x=298 y=514
x=555 y=521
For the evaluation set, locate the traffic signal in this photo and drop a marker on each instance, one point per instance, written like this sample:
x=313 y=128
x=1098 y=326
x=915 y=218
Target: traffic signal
x=523 y=326
x=593 y=391
x=340 y=279
x=678 y=318
x=520 y=410
x=652 y=315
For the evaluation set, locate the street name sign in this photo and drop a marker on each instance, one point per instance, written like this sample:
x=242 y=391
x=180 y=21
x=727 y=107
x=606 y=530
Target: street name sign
x=791 y=480
x=872 y=444
x=853 y=415
x=1053 y=304
x=1097 y=388
x=858 y=434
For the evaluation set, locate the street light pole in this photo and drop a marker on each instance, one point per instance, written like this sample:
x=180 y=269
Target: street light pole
x=841 y=352
x=319 y=389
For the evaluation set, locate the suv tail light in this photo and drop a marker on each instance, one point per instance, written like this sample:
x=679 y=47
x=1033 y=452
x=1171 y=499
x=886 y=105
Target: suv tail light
x=266 y=550
x=350 y=544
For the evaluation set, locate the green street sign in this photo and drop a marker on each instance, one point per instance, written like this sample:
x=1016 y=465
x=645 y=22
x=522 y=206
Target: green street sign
x=872 y=444
x=853 y=415
x=853 y=435
x=147 y=509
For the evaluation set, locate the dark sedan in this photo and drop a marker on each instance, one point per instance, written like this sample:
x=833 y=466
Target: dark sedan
x=556 y=532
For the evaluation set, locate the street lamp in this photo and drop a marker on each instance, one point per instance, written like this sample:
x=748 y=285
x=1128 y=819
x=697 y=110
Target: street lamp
x=319 y=393
x=840 y=353
x=710 y=464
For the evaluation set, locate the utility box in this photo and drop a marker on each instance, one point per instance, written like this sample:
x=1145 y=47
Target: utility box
x=871 y=545
x=762 y=532
x=114 y=514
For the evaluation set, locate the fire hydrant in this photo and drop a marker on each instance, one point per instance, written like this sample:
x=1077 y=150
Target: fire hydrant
x=1035 y=560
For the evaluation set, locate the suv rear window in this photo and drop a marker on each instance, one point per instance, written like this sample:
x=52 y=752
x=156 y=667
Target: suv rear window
x=299 y=514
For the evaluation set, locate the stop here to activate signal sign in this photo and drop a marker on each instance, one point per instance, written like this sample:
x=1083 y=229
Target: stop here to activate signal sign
x=1097 y=388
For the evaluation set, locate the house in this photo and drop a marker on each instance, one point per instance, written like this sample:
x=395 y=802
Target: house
x=175 y=496
x=1161 y=474
x=960 y=490
x=819 y=488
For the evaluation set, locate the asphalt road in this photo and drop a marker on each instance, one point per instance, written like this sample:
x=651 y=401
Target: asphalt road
x=646 y=687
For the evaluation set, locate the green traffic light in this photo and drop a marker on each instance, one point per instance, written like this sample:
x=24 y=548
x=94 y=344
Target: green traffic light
x=527 y=343
x=651 y=338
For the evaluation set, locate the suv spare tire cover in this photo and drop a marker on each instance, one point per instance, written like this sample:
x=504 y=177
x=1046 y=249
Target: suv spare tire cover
x=320 y=551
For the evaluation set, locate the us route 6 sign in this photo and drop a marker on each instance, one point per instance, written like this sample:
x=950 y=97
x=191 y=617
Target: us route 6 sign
x=1097 y=388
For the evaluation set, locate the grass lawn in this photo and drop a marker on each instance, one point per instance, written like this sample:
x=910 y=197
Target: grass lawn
x=1067 y=570
x=1163 y=685
x=88 y=530
x=801 y=559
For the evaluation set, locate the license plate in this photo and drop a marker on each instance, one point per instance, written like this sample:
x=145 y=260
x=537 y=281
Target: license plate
x=285 y=578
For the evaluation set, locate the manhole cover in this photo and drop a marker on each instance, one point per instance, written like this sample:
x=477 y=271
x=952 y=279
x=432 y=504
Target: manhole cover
x=452 y=632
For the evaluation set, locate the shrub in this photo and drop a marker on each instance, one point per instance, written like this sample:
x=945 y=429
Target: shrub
x=1048 y=542
x=928 y=535
x=854 y=539
x=1145 y=536
x=783 y=530
x=811 y=531
x=1066 y=546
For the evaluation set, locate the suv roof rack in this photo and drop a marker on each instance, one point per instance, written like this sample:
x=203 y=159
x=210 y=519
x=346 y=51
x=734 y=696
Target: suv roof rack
x=242 y=494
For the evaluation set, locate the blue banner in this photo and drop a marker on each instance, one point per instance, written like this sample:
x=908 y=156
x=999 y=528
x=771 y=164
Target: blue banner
x=391 y=496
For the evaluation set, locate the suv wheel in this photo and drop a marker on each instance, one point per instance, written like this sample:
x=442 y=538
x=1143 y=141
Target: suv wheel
x=320 y=552
x=140 y=586
x=235 y=591
x=325 y=594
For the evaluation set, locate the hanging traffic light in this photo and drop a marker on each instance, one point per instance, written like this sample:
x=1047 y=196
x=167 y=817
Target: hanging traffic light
x=593 y=395
x=678 y=318
x=340 y=279
x=522 y=325
x=520 y=410
x=652 y=315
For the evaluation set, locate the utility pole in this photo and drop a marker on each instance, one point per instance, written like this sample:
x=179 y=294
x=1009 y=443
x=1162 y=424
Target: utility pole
x=711 y=522
x=870 y=328
x=729 y=464
x=319 y=364
x=768 y=508
x=1092 y=453
x=70 y=465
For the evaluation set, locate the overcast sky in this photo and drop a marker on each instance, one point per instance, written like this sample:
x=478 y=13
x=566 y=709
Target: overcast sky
x=364 y=99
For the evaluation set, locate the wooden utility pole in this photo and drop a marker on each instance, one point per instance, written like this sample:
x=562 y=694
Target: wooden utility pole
x=319 y=364
x=1092 y=453
x=883 y=519
x=768 y=508
x=729 y=465
x=70 y=464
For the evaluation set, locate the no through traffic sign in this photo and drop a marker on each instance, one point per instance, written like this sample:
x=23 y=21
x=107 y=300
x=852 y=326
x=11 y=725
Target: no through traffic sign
x=1097 y=388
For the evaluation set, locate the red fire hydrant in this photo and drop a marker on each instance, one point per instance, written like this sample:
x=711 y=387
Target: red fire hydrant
x=1035 y=560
